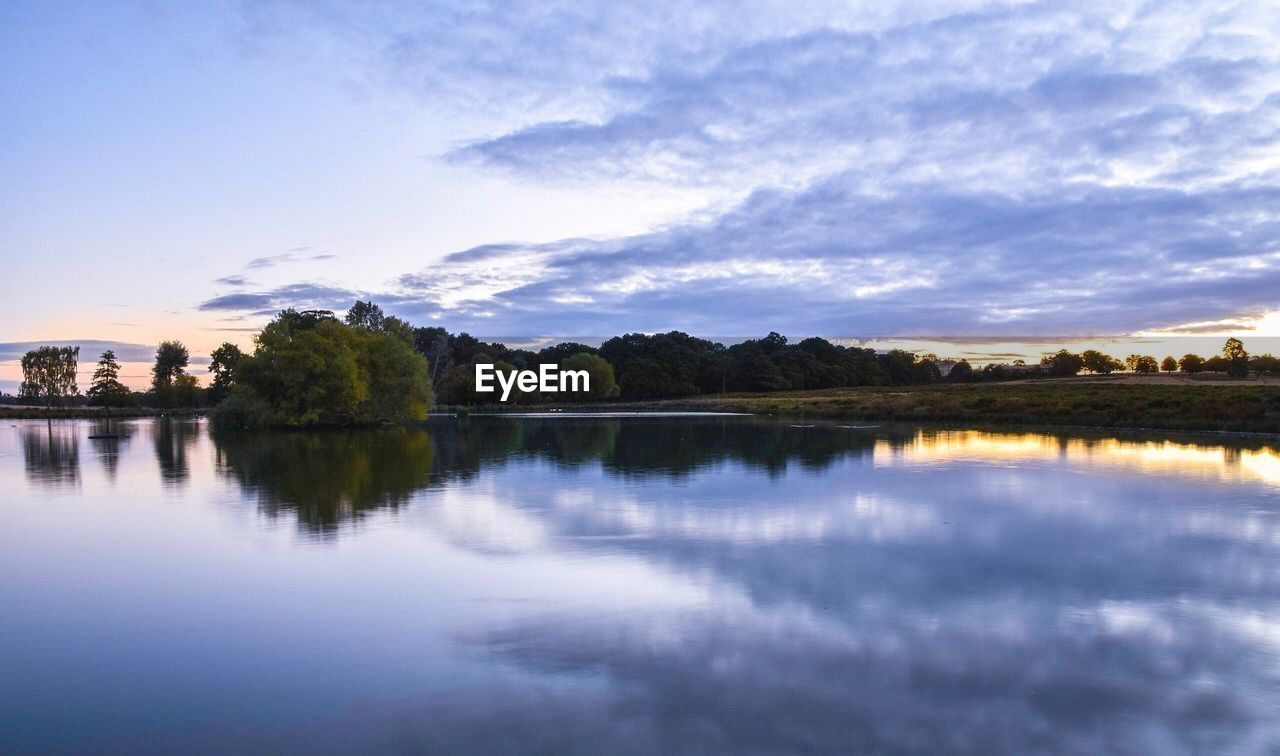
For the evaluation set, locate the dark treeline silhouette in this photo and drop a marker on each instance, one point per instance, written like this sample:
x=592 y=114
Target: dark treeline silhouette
x=675 y=364
x=310 y=367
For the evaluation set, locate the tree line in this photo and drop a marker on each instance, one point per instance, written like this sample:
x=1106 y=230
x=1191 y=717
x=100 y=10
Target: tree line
x=311 y=367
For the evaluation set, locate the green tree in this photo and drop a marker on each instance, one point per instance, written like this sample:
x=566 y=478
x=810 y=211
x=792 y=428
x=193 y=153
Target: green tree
x=185 y=392
x=106 y=389
x=1237 y=358
x=1139 y=363
x=49 y=373
x=1191 y=363
x=960 y=372
x=171 y=361
x=366 y=315
x=433 y=343
x=1266 y=363
x=1063 y=363
x=1099 y=363
x=322 y=372
x=603 y=383
x=1169 y=364
x=223 y=363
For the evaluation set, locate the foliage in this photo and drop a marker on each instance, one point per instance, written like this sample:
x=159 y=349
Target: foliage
x=1169 y=365
x=366 y=315
x=171 y=361
x=326 y=477
x=106 y=389
x=168 y=389
x=49 y=373
x=1237 y=358
x=1099 y=363
x=1265 y=364
x=662 y=365
x=603 y=384
x=223 y=363
x=1063 y=363
x=1139 y=363
x=644 y=366
x=961 y=371
x=1191 y=363
x=433 y=343
x=315 y=370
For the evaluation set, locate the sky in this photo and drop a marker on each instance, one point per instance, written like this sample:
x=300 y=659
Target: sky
x=975 y=171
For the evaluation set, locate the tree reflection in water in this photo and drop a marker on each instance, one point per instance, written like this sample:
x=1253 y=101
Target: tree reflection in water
x=325 y=478
x=173 y=438
x=743 y=585
x=51 y=453
x=109 y=438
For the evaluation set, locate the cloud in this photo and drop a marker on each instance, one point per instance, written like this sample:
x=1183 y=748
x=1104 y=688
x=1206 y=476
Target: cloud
x=830 y=259
x=302 y=296
x=89 y=349
x=233 y=281
x=1005 y=98
x=270 y=261
x=904 y=169
x=986 y=169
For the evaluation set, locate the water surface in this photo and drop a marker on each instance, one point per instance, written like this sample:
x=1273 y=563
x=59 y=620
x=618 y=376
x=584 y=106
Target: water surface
x=632 y=584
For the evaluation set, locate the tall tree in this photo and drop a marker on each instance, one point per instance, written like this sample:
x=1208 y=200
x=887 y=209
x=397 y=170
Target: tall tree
x=1139 y=363
x=106 y=389
x=1237 y=358
x=1063 y=363
x=433 y=343
x=1191 y=363
x=171 y=365
x=223 y=363
x=49 y=373
x=329 y=374
x=366 y=315
x=1097 y=362
x=171 y=361
x=603 y=383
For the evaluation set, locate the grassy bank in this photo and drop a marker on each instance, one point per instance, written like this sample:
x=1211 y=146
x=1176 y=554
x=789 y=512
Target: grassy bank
x=19 y=412
x=1078 y=403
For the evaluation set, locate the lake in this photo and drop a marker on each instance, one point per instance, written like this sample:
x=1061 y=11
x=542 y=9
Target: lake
x=636 y=584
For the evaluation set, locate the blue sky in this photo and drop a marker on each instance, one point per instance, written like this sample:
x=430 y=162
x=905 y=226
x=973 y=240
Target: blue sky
x=911 y=169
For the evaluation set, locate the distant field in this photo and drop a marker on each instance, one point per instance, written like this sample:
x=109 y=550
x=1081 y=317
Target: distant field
x=1157 y=402
x=1171 y=379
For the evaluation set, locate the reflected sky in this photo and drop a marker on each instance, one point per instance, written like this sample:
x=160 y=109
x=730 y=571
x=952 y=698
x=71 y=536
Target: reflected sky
x=713 y=584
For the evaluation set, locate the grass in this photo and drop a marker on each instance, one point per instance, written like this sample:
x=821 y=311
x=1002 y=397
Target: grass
x=1076 y=403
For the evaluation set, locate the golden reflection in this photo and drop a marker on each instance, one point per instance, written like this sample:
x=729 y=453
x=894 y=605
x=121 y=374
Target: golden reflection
x=1168 y=457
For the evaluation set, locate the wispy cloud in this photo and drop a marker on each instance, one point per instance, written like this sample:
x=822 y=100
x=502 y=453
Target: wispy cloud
x=292 y=256
x=830 y=259
x=983 y=168
x=89 y=349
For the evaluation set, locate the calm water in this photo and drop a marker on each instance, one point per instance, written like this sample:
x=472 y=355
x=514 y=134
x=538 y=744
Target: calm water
x=713 y=584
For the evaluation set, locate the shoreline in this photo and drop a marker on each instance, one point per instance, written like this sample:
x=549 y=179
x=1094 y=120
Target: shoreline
x=1066 y=404
x=1083 y=405
x=21 y=412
